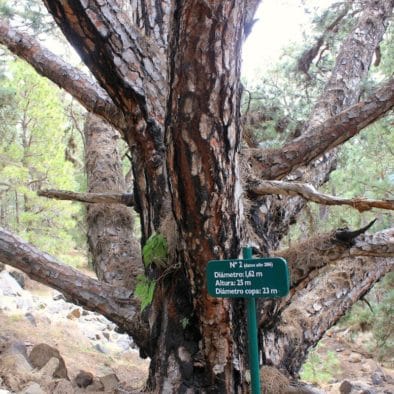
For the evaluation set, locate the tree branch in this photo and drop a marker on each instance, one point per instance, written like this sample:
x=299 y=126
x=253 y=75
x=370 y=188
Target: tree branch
x=115 y=303
x=277 y=163
x=126 y=63
x=90 y=198
x=308 y=258
x=309 y=193
x=324 y=249
x=318 y=306
x=69 y=78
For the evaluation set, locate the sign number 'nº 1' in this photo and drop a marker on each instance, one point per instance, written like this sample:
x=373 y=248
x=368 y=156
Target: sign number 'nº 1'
x=245 y=278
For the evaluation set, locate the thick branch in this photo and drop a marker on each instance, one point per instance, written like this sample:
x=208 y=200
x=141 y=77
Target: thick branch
x=277 y=163
x=69 y=78
x=91 y=198
x=318 y=306
x=115 y=303
x=308 y=258
x=309 y=193
x=125 y=62
x=324 y=249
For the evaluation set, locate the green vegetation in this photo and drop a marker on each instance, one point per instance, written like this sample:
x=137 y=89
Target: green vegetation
x=32 y=150
x=155 y=250
x=144 y=290
x=319 y=368
x=379 y=320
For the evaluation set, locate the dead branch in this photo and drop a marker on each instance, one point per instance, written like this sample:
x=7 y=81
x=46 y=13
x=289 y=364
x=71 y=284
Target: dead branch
x=113 y=302
x=309 y=193
x=90 y=198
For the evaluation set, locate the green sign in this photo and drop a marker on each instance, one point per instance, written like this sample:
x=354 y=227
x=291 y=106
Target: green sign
x=248 y=278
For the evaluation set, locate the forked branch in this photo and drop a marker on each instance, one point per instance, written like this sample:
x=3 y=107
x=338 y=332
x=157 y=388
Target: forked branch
x=309 y=193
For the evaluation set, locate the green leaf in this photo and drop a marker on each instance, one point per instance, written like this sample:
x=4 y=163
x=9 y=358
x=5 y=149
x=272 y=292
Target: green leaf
x=155 y=250
x=144 y=290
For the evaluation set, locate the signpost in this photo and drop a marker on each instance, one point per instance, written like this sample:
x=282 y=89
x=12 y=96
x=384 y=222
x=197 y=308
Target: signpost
x=249 y=278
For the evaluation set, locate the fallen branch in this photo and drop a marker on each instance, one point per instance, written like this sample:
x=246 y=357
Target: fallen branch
x=309 y=193
x=114 y=302
x=91 y=198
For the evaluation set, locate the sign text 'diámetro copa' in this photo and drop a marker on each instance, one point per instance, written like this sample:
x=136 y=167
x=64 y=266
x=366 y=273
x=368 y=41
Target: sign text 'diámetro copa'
x=245 y=278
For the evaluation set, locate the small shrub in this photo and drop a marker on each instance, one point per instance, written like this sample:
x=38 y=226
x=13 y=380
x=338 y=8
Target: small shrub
x=319 y=368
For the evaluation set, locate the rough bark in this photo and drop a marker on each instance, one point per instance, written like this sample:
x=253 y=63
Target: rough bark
x=309 y=193
x=114 y=302
x=89 y=198
x=307 y=258
x=116 y=254
x=202 y=169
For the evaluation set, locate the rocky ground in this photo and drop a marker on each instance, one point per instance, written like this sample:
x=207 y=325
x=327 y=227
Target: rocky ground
x=85 y=341
x=48 y=345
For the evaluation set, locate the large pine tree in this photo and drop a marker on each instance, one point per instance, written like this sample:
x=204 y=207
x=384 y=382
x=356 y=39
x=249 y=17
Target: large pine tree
x=168 y=79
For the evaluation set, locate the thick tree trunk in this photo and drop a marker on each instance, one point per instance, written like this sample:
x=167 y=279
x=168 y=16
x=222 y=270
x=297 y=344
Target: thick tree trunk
x=203 y=137
x=115 y=252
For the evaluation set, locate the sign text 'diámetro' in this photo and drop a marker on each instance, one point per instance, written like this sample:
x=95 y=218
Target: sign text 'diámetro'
x=244 y=278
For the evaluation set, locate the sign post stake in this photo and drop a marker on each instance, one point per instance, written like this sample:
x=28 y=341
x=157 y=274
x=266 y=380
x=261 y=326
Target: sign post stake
x=266 y=277
x=252 y=336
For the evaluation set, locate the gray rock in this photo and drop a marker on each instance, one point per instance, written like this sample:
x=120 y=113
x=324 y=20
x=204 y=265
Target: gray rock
x=123 y=342
x=9 y=286
x=110 y=382
x=84 y=379
x=63 y=386
x=42 y=353
x=29 y=316
x=378 y=377
x=19 y=277
x=2 y=267
x=33 y=388
x=101 y=348
x=58 y=296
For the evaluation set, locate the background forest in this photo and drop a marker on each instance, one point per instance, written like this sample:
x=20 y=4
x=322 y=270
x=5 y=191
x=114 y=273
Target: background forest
x=42 y=147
